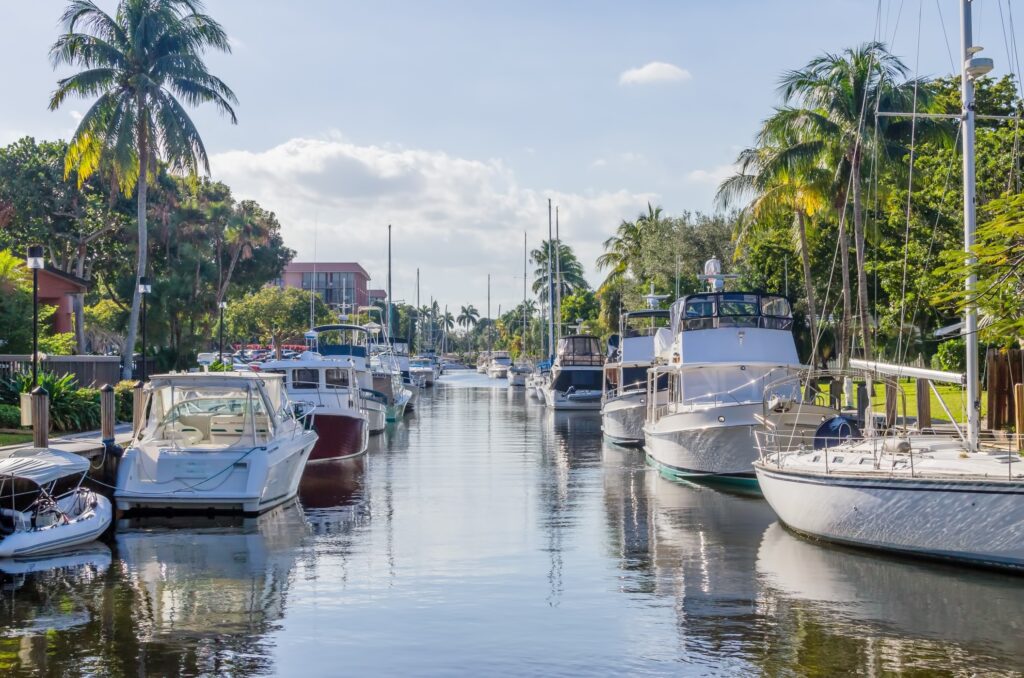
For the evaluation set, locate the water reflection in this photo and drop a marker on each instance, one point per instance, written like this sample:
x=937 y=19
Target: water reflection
x=206 y=592
x=894 y=613
x=749 y=596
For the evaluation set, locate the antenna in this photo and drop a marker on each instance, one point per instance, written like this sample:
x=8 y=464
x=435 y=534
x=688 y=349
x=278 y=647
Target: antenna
x=654 y=300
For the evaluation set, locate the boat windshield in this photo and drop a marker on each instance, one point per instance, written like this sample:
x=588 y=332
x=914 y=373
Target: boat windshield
x=420 y=362
x=643 y=323
x=732 y=309
x=209 y=417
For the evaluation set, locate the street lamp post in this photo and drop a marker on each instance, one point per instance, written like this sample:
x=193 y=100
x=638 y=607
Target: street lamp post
x=220 y=343
x=35 y=262
x=144 y=289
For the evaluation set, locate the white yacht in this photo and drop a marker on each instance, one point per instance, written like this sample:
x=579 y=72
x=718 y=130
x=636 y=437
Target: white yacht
x=350 y=344
x=331 y=386
x=575 y=382
x=52 y=516
x=957 y=496
x=229 y=441
x=727 y=347
x=624 y=391
x=499 y=365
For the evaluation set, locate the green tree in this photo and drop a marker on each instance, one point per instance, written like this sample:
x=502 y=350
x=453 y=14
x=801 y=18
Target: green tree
x=468 y=317
x=833 y=97
x=141 y=63
x=275 y=315
x=571 y=269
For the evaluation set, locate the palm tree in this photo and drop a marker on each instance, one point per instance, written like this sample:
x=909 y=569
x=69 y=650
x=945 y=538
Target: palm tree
x=468 y=317
x=781 y=175
x=249 y=227
x=143 y=62
x=622 y=250
x=833 y=96
x=571 y=269
x=448 y=321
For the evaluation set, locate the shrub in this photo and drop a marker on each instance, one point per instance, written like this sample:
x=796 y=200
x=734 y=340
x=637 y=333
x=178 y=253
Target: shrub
x=71 y=408
x=58 y=344
x=10 y=416
x=951 y=356
x=123 y=395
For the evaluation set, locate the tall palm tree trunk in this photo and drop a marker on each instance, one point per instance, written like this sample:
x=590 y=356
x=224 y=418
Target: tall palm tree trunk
x=862 y=274
x=141 y=191
x=812 y=311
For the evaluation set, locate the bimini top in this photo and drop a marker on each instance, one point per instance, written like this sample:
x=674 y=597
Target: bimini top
x=579 y=350
x=43 y=466
x=211 y=379
x=731 y=309
x=340 y=328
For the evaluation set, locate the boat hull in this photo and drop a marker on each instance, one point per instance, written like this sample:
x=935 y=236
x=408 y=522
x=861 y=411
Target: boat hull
x=340 y=436
x=695 y=445
x=558 y=400
x=517 y=378
x=976 y=522
x=622 y=419
x=376 y=418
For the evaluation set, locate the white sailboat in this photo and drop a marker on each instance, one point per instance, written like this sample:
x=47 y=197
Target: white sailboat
x=956 y=497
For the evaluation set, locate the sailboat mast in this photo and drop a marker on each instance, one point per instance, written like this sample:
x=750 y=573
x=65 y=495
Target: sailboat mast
x=558 y=279
x=387 y=325
x=551 y=294
x=971 y=310
x=524 y=295
x=488 y=314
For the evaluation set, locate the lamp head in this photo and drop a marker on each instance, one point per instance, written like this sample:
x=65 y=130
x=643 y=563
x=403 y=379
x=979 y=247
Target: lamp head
x=144 y=285
x=222 y=305
x=35 y=257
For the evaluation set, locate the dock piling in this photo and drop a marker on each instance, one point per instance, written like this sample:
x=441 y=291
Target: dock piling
x=138 y=402
x=40 y=417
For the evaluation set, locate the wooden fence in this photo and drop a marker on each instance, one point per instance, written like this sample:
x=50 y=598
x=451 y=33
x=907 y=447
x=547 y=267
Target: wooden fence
x=1004 y=368
x=89 y=370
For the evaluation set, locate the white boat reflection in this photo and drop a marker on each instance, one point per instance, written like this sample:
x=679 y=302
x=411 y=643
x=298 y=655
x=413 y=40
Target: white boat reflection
x=888 y=597
x=219 y=575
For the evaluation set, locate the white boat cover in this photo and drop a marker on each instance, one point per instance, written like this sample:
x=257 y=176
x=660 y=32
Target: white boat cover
x=43 y=466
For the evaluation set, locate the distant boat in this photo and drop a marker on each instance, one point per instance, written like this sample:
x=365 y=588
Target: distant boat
x=499 y=365
x=227 y=441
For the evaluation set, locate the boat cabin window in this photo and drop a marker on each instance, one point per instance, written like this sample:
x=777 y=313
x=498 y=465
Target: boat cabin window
x=336 y=378
x=580 y=350
x=208 y=417
x=734 y=309
x=305 y=378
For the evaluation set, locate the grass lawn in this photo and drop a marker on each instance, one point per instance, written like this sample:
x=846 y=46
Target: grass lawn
x=15 y=438
x=952 y=395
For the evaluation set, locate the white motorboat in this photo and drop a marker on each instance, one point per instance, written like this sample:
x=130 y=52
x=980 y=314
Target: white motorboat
x=518 y=374
x=499 y=365
x=424 y=369
x=575 y=382
x=387 y=380
x=957 y=496
x=228 y=441
x=51 y=516
x=350 y=344
x=624 y=391
x=727 y=347
x=332 y=387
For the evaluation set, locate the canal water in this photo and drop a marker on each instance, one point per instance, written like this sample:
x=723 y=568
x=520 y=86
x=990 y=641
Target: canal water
x=486 y=535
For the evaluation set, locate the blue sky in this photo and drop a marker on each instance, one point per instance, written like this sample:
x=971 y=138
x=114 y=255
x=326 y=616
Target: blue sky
x=455 y=121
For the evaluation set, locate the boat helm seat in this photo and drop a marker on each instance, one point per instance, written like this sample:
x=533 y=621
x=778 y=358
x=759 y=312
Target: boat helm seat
x=182 y=433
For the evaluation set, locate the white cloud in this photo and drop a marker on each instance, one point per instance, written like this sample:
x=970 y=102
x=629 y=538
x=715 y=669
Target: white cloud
x=235 y=42
x=655 y=71
x=714 y=175
x=76 y=115
x=455 y=218
x=598 y=163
